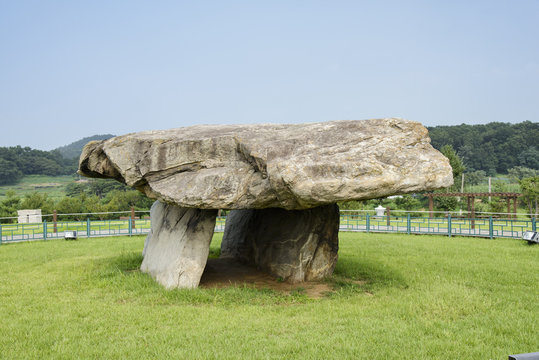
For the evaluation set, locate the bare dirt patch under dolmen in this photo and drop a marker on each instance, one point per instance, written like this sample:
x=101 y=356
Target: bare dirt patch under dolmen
x=221 y=273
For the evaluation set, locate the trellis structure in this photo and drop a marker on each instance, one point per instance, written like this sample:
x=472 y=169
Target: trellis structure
x=471 y=201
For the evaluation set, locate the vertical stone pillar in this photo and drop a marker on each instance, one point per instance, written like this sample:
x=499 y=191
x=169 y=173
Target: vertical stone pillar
x=177 y=247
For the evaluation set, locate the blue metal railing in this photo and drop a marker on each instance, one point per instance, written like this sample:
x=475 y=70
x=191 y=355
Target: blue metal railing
x=85 y=228
x=451 y=226
x=363 y=222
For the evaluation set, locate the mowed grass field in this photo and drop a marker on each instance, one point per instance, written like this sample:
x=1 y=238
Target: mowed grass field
x=395 y=297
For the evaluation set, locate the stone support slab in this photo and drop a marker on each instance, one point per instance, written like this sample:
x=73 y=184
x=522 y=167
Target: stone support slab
x=176 y=249
x=295 y=245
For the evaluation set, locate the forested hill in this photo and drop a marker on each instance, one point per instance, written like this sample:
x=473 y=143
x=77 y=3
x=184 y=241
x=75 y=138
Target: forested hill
x=74 y=149
x=17 y=161
x=493 y=147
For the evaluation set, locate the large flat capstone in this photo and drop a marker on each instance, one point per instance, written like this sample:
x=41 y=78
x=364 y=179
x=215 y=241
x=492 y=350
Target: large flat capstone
x=294 y=167
x=281 y=181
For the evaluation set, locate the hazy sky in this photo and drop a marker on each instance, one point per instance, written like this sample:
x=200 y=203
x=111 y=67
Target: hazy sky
x=70 y=69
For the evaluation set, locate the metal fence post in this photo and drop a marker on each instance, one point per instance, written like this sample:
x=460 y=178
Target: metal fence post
x=130 y=226
x=449 y=224
x=45 y=229
x=490 y=227
x=368 y=222
x=534 y=224
x=88 y=228
x=408 y=224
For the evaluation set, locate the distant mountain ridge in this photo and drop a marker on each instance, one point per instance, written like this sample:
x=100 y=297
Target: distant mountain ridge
x=74 y=149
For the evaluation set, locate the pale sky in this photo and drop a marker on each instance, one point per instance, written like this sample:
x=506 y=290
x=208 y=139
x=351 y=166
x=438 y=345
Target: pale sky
x=71 y=69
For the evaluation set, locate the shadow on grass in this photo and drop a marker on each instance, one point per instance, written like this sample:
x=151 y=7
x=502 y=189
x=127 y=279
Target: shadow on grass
x=126 y=262
x=120 y=266
x=352 y=276
x=121 y=277
x=367 y=275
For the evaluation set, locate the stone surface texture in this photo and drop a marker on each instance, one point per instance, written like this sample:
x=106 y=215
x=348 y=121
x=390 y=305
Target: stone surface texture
x=294 y=167
x=176 y=249
x=294 y=245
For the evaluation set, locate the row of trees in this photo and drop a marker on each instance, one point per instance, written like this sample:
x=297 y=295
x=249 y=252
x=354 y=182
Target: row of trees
x=15 y=162
x=527 y=178
x=416 y=202
x=122 y=200
x=93 y=197
x=493 y=147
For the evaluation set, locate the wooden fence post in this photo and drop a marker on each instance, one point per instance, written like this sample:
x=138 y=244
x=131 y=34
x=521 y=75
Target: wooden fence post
x=132 y=217
x=54 y=220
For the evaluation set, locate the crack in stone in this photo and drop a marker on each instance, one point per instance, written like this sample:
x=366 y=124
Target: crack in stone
x=257 y=163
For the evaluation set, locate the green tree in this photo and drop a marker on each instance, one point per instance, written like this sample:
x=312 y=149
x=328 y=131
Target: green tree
x=446 y=203
x=123 y=200
x=73 y=206
x=17 y=161
x=407 y=202
x=493 y=147
x=37 y=200
x=101 y=187
x=9 y=172
x=456 y=163
x=529 y=158
x=530 y=192
x=474 y=177
x=92 y=204
x=520 y=172
x=76 y=189
x=10 y=205
x=498 y=204
x=350 y=205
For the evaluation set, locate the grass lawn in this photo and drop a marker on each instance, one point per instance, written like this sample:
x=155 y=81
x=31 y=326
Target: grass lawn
x=396 y=296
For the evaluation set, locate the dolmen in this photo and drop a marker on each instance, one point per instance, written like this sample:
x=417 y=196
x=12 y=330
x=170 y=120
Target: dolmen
x=280 y=182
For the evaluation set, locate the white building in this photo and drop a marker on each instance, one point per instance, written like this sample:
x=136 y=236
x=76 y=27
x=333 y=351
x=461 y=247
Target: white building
x=29 y=216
